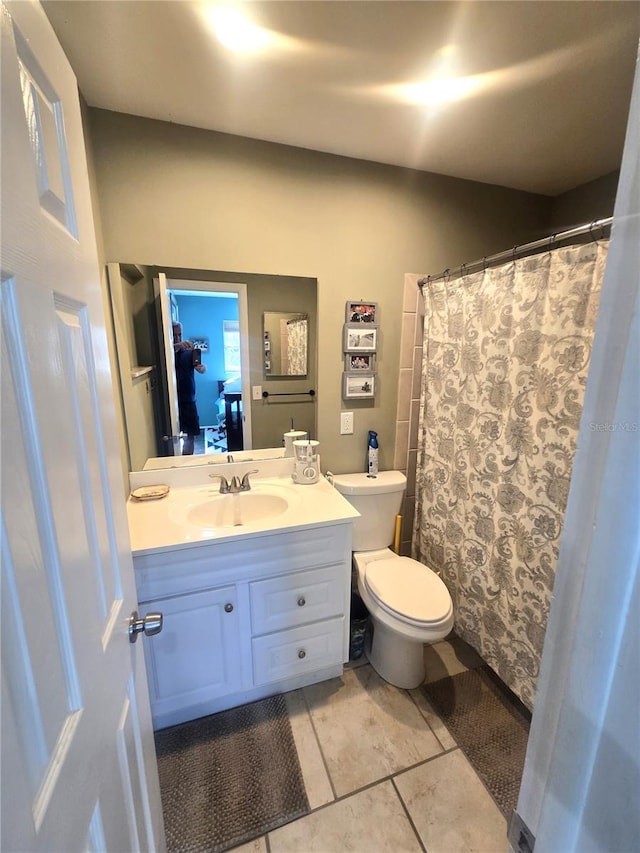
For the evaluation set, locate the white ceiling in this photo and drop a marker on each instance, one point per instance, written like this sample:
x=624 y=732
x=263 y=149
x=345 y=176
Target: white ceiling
x=553 y=79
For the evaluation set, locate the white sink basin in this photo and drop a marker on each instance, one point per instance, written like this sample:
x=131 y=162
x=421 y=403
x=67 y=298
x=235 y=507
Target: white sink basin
x=236 y=510
x=194 y=512
x=208 y=510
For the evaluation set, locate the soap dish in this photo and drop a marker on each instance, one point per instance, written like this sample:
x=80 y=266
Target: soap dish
x=150 y=493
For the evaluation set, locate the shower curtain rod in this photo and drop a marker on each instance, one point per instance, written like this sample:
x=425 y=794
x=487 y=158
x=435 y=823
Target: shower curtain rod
x=521 y=251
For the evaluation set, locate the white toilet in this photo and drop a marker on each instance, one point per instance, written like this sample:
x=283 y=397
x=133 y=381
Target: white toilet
x=407 y=601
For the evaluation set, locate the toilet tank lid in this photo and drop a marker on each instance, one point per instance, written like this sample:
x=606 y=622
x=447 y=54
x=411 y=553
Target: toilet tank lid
x=362 y=484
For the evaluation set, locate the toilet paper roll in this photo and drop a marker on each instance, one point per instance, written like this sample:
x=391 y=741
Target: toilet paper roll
x=290 y=437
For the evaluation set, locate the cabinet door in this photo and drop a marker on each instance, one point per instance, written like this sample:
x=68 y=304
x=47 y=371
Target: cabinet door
x=197 y=656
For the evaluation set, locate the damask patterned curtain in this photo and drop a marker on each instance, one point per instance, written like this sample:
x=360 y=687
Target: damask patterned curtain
x=297 y=347
x=506 y=356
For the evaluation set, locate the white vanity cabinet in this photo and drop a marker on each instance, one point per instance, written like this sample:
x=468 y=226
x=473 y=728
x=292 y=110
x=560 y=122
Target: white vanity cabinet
x=244 y=618
x=192 y=661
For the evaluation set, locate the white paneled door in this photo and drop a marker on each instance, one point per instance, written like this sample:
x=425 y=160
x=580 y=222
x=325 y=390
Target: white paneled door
x=78 y=762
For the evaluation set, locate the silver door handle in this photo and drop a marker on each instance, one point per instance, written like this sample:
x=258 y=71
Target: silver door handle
x=151 y=624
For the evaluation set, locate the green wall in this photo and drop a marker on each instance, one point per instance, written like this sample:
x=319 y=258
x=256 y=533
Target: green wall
x=177 y=196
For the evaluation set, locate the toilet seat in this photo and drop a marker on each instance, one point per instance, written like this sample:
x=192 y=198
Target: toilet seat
x=409 y=591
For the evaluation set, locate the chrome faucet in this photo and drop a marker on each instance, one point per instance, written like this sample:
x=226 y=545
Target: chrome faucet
x=236 y=485
x=225 y=488
x=242 y=486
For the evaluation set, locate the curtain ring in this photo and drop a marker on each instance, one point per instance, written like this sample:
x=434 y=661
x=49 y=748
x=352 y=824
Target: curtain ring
x=463 y=270
x=552 y=240
x=484 y=264
x=514 y=252
x=446 y=275
x=594 y=239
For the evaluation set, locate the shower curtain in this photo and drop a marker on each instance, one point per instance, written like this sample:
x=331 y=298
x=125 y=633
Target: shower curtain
x=505 y=360
x=294 y=351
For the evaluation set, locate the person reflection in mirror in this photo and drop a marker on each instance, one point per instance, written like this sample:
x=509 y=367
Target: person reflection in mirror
x=186 y=386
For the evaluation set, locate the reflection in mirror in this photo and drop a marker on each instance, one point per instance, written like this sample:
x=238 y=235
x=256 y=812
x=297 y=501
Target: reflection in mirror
x=285 y=344
x=144 y=361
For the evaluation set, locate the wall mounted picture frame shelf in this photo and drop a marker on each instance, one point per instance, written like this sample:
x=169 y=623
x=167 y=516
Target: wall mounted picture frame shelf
x=360 y=344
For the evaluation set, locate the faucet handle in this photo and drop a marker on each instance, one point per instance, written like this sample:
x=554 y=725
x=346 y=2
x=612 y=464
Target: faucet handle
x=246 y=485
x=224 y=483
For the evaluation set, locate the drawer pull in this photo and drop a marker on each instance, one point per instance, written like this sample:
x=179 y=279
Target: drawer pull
x=228 y=607
x=302 y=654
x=302 y=601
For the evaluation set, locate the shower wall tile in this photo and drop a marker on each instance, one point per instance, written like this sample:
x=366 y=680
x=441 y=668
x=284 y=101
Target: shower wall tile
x=408 y=514
x=417 y=373
x=412 y=461
x=405 y=385
x=407 y=340
x=411 y=293
x=419 y=328
x=409 y=382
x=413 y=424
x=402 y=445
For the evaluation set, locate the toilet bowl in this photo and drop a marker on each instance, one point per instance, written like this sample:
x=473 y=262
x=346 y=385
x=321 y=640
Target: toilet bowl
x=409 y=604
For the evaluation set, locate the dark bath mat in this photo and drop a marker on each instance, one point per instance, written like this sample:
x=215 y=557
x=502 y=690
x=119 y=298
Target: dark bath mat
x=229 y=777
x=489 y=725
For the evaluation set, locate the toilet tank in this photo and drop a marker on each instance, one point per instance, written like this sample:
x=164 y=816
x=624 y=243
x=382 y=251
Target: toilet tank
x=378 y=500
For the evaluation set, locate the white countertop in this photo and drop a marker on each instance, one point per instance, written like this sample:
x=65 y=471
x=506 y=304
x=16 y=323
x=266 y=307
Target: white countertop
x=159 y=525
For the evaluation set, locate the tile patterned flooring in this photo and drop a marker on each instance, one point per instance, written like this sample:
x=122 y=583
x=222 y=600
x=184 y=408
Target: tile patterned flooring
x=382 y=772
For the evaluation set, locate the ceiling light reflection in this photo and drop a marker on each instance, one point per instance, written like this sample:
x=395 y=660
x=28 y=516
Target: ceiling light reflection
x=439 y=90
x=443 y=86
x=237 y=32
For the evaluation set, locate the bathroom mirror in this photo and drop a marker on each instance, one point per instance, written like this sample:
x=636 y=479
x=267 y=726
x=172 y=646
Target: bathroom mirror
x=285 y=338
x=223 y=314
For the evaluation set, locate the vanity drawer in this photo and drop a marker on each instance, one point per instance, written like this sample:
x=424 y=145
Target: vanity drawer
x=289 y=600
x=297 y=651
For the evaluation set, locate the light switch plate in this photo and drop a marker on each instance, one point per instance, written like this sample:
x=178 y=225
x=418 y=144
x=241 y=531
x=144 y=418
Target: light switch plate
x=256 y=392
x=346 y=423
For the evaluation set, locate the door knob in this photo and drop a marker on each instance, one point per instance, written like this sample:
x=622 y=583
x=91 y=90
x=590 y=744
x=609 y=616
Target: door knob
x=151 y=624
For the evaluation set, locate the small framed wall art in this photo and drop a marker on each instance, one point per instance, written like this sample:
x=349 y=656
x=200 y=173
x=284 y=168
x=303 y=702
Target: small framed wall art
x=360 y=337
x=362 y=362
x=358 y=386
x=361 y=312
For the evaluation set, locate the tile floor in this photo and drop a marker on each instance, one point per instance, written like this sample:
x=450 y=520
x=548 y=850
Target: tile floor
x=382 y=772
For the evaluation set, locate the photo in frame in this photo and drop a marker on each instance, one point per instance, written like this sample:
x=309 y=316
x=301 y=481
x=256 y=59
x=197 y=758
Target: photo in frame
x=360 y=337
x=358 y=386
x=361 y=312
x=363 y=362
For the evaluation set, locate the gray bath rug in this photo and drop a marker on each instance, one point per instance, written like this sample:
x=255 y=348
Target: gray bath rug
x=229 y=777
x=489 y=724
